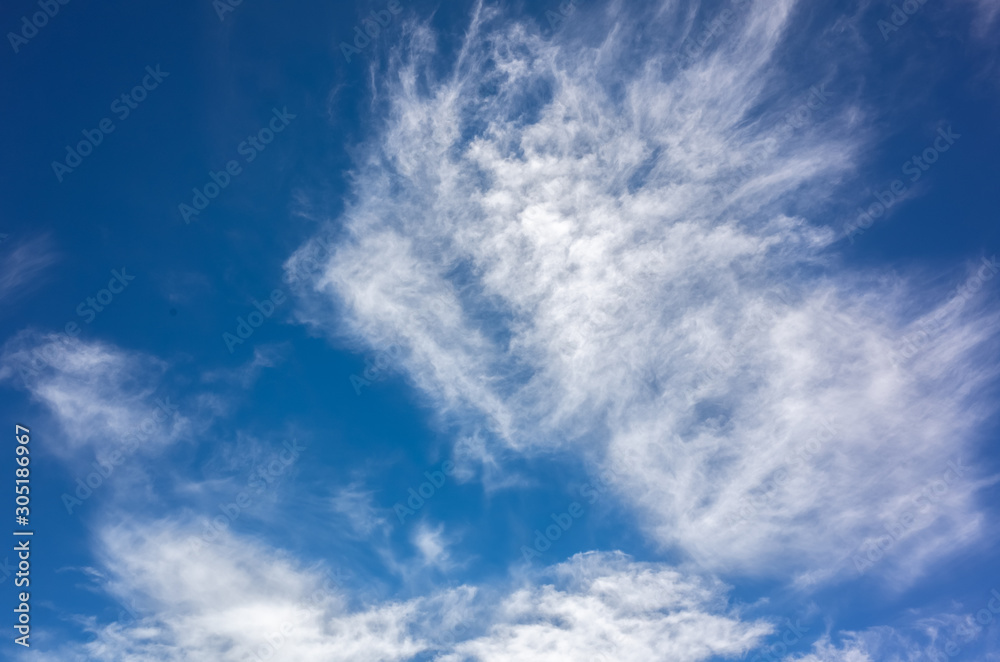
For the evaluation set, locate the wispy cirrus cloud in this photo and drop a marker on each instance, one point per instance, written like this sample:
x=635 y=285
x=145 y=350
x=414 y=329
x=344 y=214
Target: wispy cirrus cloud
x=582 y=249
x=970 y=634
x=99 y=394
x=24 y=262
x=356 y=506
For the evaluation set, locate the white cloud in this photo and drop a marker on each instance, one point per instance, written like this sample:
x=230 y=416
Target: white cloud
x=226 y=601
x=432 y=545
x=265 y=355
x=853 y=649
x=356 y=505
x=583 y=249
x=24 y=265
x=606 y=607
x=936 y=637
x=229 y=600
x=104 y=398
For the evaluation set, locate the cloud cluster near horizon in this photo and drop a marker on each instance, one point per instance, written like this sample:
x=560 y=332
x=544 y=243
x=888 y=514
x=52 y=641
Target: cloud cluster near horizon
x=235 y=597
x=238 y=599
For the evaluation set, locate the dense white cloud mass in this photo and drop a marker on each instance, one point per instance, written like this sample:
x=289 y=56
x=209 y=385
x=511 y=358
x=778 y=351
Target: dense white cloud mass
x=236 y=599
x=623 y=222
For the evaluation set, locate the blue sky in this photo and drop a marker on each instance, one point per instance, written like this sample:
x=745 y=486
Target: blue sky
x=555 y=331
